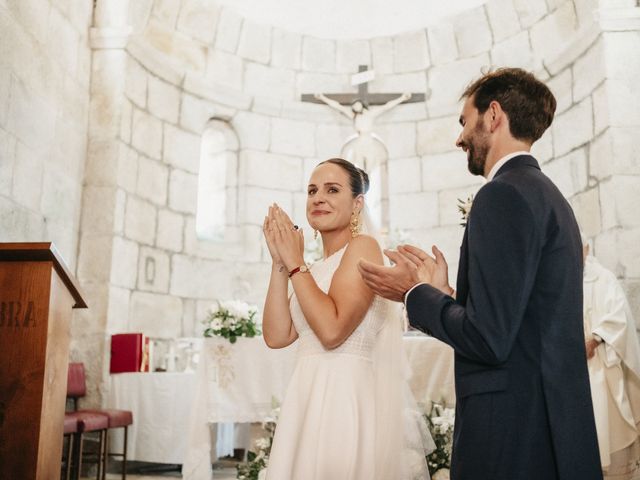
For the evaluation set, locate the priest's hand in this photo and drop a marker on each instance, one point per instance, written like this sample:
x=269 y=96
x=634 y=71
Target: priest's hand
x=591 y=346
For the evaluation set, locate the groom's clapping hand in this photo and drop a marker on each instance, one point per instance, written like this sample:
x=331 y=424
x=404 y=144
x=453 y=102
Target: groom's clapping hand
x=412 y=266
x=432 y=270
x=390 y=282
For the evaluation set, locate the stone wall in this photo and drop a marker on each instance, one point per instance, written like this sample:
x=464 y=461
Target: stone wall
x=188 y=63
x=44 y=101
x=158 y=72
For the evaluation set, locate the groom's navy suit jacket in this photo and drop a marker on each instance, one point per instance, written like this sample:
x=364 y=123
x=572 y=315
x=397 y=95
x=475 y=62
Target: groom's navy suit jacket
x=524 y=407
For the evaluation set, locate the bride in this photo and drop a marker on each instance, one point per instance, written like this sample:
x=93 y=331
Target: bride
x=348 y=413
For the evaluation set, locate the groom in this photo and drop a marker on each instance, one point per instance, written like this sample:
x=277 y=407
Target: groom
x=524 y=407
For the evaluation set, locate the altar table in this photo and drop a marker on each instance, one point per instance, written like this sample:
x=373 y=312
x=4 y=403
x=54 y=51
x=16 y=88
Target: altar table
x=160 y=403
x=431 y=365
x=236 y=383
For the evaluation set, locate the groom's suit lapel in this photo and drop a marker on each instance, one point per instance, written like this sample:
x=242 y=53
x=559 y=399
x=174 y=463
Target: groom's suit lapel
x=462 y=283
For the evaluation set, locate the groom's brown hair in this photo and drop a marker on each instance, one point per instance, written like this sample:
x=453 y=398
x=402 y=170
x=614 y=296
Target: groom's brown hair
x=528 y=103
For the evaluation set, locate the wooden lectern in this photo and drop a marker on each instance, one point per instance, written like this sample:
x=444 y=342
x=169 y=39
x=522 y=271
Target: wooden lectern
x=37 y=293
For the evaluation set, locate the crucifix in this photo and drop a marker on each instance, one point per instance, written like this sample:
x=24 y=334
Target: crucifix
x=365 y=149
x=364 y=107
x=362 y=79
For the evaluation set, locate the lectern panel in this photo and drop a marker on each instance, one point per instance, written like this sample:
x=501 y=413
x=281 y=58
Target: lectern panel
x=55 y=377
x=24 y=310
x=35 y=308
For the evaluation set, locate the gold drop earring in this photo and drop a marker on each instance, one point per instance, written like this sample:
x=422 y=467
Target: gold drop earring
x=355 y=224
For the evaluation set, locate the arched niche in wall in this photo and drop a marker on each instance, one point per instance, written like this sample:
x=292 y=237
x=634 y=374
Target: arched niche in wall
x=217 y=182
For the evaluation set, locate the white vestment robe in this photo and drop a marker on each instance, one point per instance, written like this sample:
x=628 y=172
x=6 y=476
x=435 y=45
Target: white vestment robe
x=614 y=371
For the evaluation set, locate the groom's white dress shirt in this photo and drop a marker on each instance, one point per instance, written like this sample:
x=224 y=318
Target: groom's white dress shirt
x=492 y=173
x=502 y=161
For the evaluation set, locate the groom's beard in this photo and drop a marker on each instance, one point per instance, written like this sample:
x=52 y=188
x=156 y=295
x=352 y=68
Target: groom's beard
x=477 y=149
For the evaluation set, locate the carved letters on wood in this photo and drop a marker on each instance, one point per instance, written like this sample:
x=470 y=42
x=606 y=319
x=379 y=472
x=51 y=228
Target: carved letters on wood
x=17 y=314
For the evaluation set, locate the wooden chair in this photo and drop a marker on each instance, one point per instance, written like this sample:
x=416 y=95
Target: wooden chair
x=88 y=422
x=115 y=418
x=70 y=429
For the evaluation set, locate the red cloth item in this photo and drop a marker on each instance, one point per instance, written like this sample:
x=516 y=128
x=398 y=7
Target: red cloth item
x=127 y=353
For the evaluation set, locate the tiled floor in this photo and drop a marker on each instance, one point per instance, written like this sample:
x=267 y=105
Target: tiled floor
x=222 y=470
x=224 y=474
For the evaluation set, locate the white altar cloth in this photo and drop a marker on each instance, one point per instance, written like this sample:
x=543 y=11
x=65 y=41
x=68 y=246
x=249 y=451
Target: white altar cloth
x=236 y=383
x=431 y=364
x=160 y=403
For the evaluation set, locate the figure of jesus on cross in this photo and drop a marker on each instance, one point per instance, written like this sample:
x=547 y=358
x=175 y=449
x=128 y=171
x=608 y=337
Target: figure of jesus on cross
x=363 y=108
x=366 y=149
x=362 y=115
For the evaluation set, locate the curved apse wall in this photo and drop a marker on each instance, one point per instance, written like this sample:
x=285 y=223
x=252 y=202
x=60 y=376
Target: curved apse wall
x=188 y=64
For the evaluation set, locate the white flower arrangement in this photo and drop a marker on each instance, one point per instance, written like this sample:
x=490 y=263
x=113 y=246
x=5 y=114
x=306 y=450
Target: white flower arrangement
x=231 y=319
x=464 y=207
x=256 y=466
x=441 y=421
x=263 y=443
x=445 y=421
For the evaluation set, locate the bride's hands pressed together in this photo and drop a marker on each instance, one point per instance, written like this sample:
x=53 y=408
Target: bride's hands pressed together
x=288 y=239
x=269 y=231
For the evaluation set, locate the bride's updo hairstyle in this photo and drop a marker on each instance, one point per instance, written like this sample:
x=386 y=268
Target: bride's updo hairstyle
x=358 y=178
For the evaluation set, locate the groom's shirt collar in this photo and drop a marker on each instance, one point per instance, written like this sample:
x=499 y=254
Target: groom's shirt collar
x=502 y=161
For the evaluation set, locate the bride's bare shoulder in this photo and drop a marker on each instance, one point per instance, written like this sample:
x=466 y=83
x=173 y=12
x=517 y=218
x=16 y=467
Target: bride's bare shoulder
x=364 y=246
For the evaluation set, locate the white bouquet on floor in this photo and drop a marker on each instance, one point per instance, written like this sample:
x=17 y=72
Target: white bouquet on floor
x=256 y=466
x=441 y=421
x=231 y=319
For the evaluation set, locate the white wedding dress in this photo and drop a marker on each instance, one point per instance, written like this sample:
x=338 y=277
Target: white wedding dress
x=340 y=418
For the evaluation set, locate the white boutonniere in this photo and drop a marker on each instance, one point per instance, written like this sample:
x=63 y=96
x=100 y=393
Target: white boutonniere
x=464 y=206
